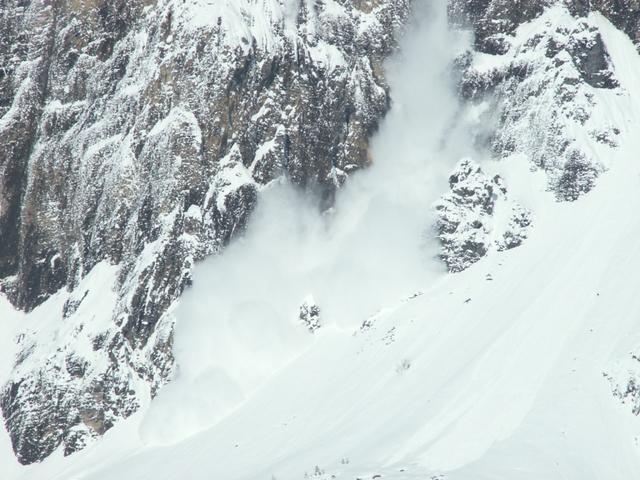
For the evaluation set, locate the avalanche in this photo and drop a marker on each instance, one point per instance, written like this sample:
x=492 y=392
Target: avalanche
x=499 y=371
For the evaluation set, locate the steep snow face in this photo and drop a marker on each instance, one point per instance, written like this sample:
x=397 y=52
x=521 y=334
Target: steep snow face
x=503 y=370
x=138 y=134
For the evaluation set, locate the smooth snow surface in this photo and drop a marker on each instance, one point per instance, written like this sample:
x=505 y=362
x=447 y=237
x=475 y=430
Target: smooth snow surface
x=494 y=373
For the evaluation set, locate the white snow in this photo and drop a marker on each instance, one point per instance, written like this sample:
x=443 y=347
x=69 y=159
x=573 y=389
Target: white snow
x=231 y=176
x=240 y=20
x=243 y=22
x=493 y=373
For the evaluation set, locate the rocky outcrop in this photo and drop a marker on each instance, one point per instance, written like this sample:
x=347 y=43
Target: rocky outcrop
x=309 y=314
x=560 y=62
x=624 y=14
x=542 y=88
x=477 y=216
x=537 y=82
x=493 y=21
x=138 y=135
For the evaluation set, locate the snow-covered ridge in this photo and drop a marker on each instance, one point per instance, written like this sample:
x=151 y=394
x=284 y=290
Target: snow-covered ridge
x=544 y=98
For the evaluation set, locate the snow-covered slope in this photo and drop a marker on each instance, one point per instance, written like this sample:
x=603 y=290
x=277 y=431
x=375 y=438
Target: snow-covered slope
x=511 y=368
x=456 y=382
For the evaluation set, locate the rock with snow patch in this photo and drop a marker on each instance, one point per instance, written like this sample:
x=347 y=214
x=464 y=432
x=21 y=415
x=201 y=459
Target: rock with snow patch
x=309 y=314
x=476 y=216
x=544 y=92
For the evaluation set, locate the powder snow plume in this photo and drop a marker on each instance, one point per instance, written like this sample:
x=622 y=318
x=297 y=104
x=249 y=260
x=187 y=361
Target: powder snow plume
x=240 y=322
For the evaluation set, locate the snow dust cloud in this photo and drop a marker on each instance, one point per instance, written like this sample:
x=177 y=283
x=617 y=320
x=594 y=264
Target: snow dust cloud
x=239 y=322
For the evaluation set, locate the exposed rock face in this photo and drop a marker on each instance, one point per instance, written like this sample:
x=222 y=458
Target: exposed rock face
x=560 y=62
x=137 y=134
x=625 y=14
x=310 y=314
x=538 y=79
x=493 y=20
x=477 y=216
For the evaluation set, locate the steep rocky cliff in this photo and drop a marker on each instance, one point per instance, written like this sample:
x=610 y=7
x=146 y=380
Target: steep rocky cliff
x=138 y=134
x=477 y=216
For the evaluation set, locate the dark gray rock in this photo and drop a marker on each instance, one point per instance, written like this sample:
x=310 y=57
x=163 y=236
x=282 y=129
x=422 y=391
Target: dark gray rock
x=467 y=225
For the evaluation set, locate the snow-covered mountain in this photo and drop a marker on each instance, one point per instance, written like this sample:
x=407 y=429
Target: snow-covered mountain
x=288 y=239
